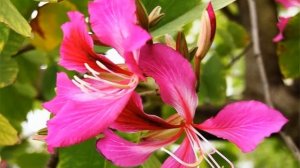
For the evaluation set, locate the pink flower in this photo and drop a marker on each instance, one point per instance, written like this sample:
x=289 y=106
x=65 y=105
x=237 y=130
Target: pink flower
x=243 y=123
x=282 y=23
x=289 y=3
x=84 y=107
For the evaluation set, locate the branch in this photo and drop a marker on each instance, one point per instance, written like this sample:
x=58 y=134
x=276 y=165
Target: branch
x=53 y=160
x=262 y=72
x=239 y=56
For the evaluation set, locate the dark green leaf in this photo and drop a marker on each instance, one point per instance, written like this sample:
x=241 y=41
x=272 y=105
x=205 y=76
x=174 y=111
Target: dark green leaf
x=212 y=82
x=32 y=160
x=82 y=155
x=4 y=32
x=12 y=45
x=8 y=71
x=178 y=14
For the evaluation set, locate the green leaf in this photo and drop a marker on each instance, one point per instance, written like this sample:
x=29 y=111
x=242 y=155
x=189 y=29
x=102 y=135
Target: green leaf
x=32 y=160
x=8 y=71
x=10 y=16
x=47 y=25
x=81 y=155
x=12 y=45
x=8 y=135
x=281 y=156
x=49 y=82
x=151 y=162
x=219 y=4
x=212 y=82
x=4 y=32
x=179 y=13
x=14 y=105
x=289 y=49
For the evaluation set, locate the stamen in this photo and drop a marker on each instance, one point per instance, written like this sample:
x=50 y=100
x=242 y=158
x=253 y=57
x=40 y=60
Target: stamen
x=214 y=149
x=105 y=68
x=81 y=87
x=193 y=144
x=108 y=82
x=94 y=72
x=84 y=83
x=181 y=161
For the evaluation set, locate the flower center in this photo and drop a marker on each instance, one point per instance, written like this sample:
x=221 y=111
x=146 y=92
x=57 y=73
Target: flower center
x=202 y=149
x=107 y=83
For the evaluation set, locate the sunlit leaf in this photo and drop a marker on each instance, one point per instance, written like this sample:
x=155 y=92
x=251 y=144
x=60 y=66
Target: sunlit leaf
x=178 y=14
x=47 y=25
x=8 y=135
x=10 y=16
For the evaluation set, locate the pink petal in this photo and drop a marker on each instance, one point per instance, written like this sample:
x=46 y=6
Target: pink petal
x=289 y=3
x=133 y=118
x=80 y=116
x=174 y=75
x=127 y=154
x=77 y=46
x=184 y=152
x=282 y=23
x=245 y=123
x=114 y=23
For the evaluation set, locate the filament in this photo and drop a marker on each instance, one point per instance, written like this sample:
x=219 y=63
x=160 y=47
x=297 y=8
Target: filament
x=181 y=161
x=214 y=149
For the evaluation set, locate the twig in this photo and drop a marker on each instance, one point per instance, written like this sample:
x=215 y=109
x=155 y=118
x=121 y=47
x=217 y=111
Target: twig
x=149 y=92
x=53 y=160
x=239 y=56
x=257 y=53
x=23 y=50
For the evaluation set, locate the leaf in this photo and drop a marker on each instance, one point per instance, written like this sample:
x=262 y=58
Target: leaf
x=8 y=135
x=4 y=32
x=12 y=45
x=212 y=82
x=32 y=160
x=8 y=71
x=47 y=25
x=10 y=16
x=25 y=7
x=289 y=49
x=81 y=155
x=49 y=82
x=151 y=162
x=14 y=105
x=219 y=4
x=179 y=13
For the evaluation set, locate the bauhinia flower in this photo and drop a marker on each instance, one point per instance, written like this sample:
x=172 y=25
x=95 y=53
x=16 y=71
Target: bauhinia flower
x=289 y=3
x=86 y=105
x=281 y=25
x=244 y=123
